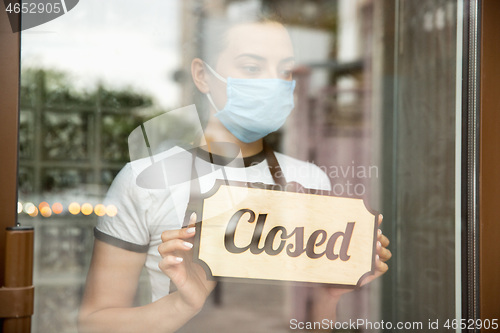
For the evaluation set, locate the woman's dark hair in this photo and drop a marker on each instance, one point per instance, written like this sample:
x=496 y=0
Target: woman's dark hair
x=213 y=37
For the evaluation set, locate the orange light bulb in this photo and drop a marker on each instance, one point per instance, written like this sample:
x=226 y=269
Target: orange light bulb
x=87 y=209
x=57 y=208
x=74 y=208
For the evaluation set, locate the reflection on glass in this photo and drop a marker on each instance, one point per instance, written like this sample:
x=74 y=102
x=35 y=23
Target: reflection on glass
x=374 y=110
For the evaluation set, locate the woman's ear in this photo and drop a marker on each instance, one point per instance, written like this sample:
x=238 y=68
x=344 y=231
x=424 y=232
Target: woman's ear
x=199 y=75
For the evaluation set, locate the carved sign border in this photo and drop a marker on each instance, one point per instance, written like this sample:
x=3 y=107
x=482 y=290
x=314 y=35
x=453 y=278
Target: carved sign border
x=291 y=187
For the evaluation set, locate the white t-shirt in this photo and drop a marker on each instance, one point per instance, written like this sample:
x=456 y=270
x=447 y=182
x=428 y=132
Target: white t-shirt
x=144 y=213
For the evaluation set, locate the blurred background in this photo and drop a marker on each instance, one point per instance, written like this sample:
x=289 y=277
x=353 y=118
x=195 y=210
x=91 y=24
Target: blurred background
x=376 y=109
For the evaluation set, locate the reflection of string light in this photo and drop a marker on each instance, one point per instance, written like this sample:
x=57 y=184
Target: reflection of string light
x=41 y=205
x=34 y=211
x=45 y=211
x=74 y=208
x=29 y=208
x=111 y=210
x=57 y=208
x=100 y=210
x=87 y=209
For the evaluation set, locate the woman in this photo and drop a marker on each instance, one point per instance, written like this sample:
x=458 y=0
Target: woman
x=249 y=85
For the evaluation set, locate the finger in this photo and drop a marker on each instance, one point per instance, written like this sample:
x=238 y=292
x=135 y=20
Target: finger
x=178 y=233
x=380 y=267
x=380 y=218
x=174 y=245
x=192 y=219
x=383 y=253
x=169 y=262
x=384 y=240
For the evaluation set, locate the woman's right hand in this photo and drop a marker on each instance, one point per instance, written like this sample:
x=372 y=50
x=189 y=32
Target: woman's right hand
x=189 y=277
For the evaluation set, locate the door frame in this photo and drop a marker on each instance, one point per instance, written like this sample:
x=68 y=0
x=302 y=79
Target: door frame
x=480 y=229
x=10 y=45
x=489 y=162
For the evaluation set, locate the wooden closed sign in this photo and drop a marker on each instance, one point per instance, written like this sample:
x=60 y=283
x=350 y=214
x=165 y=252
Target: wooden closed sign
x=265 y=233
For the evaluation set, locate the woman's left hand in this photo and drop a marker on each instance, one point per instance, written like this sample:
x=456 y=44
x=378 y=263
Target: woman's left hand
x=383 y=254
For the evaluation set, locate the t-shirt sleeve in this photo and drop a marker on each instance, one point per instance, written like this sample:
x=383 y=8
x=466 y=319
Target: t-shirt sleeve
x=127 y=228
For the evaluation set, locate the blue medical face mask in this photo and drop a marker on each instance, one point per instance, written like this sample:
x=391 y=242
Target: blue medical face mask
x=254 y=107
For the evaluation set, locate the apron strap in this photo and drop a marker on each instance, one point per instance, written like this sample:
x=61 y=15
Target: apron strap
x=274 y=166
x=195 y=204
x=278 y=174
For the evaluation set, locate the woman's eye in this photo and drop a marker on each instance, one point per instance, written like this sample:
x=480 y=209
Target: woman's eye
x=251 y=69
x=286 y=74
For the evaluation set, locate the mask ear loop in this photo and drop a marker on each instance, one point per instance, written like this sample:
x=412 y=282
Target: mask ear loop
x=218 y=76
x=212 y=101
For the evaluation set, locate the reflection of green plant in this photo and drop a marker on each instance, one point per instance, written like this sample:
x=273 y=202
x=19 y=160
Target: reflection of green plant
x=115 y=130
x=48 y=87
x=54 y=88
x=61 y=124
x=123 y=98
x=65 y=136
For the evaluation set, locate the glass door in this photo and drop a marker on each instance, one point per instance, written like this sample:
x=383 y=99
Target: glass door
x=378 y=103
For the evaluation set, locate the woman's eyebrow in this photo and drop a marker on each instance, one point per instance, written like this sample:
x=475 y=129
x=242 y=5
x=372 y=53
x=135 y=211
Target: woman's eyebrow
x=260 y=58
x=251 y=55
x=289 y=59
